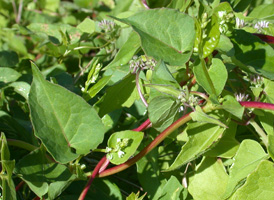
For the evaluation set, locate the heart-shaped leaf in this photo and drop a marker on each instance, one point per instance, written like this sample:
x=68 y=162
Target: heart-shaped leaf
x=63 y=121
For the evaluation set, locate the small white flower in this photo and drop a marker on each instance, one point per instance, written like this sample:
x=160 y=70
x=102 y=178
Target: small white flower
x=108 y=149
x=242 y=97
x=121 y=154
x=240 y=23
x=261 y=24
x=119 y=140
x=221 y=14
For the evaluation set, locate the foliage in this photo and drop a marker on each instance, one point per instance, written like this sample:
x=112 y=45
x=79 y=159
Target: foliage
x=179 y=93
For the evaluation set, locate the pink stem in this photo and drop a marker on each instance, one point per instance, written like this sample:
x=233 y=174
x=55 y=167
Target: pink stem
x=259 y=105
x=148 y=148
x=266 y=38
x=143 y=126
x=94 y=173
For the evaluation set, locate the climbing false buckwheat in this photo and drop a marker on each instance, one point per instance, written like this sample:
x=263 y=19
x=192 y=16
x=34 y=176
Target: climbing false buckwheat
x=107 y=25
x=242 y=97
x=141 y=63
x=261 y=25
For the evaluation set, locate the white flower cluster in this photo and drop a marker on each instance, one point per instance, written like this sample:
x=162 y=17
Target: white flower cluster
x=142 y=62
x=120 y=145
x=107 y=25
x=242 y=97
x=187 y=100
x=261 y=25
x=225 y=18
x=240 y=23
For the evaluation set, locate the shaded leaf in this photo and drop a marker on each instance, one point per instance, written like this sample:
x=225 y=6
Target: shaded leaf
x=251 y=54
x=149 y=173
x=8 y=59
x=43 y=176
x=117 y=96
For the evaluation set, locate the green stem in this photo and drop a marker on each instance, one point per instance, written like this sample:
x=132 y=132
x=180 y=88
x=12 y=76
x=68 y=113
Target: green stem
x=21 y=144
x=260 y=131
x=99 y=150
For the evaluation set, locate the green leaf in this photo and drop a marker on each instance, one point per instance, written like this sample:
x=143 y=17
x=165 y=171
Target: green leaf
x=166 y=34
x=16 y=129
x=21 y=88
x=211 y=40
x=166 y=89
x=43 y=176
x=251 y=54
x=171 y=190
x=8 y=75
x=57 y=33
x=203 y=78
x=87 y=26
x=232 y=106
x=97 y=87
x=241 y=6
x=162 y=111
x=63 y=121
x=127 y=51
x=4 y=150
x=199 y=116
x=270 y=148
x=225 y=46
x=209 y=180
x=124 y=142
x=267 y=121
x=134 y=196
x=148 y=166
x=157 y=4
x=201 y=138
x=259 y=184
x=263 y=12
x=247 y=158
x=8 y=59
x=117 y=96
x=7 y=185
x=7 y=166
x=228 y=145
x=180 y=5
x=218 y=74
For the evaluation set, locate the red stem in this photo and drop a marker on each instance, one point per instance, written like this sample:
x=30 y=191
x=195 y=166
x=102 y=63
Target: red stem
x=148 y=148
x=143 y=126
x=94 y=173
x=19 y=185
x=266 y=38
x=259 y=105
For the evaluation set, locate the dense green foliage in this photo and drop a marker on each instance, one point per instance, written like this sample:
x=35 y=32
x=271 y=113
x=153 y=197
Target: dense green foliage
x=137 y=99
